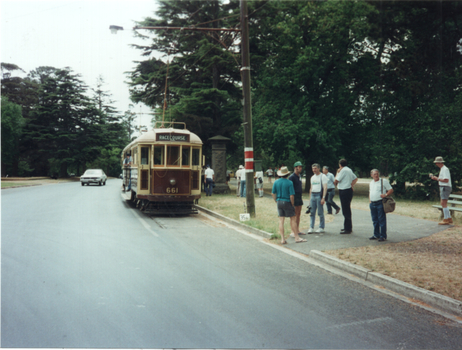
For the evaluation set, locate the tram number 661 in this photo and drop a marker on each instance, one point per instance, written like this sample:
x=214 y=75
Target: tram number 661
x=172 y=190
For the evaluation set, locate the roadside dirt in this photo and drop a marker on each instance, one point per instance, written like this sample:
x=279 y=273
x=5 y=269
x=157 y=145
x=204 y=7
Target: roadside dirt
x=433 y=263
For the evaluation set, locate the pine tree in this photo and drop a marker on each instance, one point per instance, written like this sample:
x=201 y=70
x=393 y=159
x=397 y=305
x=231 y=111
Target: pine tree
x=203 y=78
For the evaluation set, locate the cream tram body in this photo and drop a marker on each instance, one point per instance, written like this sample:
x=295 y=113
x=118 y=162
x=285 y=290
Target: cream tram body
x=165 y=171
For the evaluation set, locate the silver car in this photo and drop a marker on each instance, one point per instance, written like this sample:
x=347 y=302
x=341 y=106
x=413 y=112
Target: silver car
x=93 y=176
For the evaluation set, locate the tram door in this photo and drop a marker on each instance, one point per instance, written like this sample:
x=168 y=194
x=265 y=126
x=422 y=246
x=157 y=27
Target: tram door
x=145 y=167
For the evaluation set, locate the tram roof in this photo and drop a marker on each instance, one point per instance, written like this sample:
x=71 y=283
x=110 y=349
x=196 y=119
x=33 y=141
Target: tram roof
x=150 y=137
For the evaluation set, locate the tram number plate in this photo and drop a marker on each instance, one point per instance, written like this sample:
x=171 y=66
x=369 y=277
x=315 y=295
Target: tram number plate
x=173 y=190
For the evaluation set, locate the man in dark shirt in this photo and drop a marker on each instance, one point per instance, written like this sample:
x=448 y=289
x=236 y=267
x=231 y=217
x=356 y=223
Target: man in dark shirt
x=298 y=202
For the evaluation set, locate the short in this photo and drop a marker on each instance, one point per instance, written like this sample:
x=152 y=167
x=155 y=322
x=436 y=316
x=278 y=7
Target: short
x=285 y=209
x=259 y=185
x=298 y=200
x=445 y=191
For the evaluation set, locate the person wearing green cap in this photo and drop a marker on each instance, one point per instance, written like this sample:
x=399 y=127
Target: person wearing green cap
x=298 y=201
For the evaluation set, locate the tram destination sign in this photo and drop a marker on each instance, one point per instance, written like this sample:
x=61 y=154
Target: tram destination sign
x=172 y=137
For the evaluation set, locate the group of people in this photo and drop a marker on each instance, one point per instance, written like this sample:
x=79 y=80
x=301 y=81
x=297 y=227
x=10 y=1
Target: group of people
x=287 y=193
x=241 y=182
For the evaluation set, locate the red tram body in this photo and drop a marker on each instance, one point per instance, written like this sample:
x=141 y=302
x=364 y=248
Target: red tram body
x=164 y=174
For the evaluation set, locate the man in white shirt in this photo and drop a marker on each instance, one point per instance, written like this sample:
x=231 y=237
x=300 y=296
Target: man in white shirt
x=209 y=178
x=444 y=181
x=345 y=181
x=318 y=191
x=238 y=179
x=378 y=189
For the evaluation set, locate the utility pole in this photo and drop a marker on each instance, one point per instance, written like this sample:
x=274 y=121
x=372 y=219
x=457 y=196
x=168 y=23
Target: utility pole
x=248 y=141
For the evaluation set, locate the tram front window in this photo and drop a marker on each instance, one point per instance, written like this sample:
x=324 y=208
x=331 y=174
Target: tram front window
x=173 y=155
x=144 y=155
x=196 y=157
x=185 y=156
x=158 y=155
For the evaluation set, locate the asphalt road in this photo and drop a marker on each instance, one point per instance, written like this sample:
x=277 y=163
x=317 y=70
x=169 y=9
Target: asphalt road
x=80 y=268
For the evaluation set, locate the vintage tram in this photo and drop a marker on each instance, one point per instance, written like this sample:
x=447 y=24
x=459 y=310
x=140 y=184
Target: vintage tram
x=162 y=173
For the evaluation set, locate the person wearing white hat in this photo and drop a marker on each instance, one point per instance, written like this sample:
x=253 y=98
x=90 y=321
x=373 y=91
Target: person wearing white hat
x=284 y=195
x=238 y=175
x=444 y=181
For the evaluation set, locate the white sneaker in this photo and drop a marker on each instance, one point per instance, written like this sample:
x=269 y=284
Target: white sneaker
x=320 y=230
x=310 y=230
x=292 y=235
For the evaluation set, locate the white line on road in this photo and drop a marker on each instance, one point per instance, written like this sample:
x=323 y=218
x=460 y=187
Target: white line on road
x=359 y=323
x=144 y=223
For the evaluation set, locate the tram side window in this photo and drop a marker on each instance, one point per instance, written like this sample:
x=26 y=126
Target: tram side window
x=158 y=155
x=144 y=155
x=185 y=156
x=173 y=155
x=196 y=157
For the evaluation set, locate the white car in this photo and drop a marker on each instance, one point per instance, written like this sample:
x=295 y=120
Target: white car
x=93 y=176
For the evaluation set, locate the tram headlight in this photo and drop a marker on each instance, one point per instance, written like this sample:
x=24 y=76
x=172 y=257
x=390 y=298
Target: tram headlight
x=173 y=182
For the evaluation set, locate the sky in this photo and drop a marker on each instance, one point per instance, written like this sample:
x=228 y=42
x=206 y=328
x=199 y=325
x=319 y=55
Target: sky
x=75 y=34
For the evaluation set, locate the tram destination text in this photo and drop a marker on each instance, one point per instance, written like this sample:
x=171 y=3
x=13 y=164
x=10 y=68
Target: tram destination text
x=172 y=137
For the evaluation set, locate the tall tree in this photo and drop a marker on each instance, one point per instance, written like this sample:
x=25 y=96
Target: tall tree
x=12 y=123
x=21 y=91
x=304 y=85
x=202 y=69
x=103 y=101
x=416 y=101
x=65 y=125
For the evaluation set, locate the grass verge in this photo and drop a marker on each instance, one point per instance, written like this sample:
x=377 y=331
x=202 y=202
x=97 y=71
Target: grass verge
x=14 y=184
x=267 y=217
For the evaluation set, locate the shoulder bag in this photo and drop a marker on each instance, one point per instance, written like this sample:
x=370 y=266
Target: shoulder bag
x=389 y=203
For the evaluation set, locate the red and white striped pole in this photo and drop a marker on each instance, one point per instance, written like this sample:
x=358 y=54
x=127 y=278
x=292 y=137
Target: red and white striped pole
x=248 y=156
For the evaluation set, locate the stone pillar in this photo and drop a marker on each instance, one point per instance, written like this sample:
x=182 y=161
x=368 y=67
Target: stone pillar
x=219 y=163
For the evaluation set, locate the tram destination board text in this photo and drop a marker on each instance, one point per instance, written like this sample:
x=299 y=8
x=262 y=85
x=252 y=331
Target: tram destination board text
x=172 y=137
